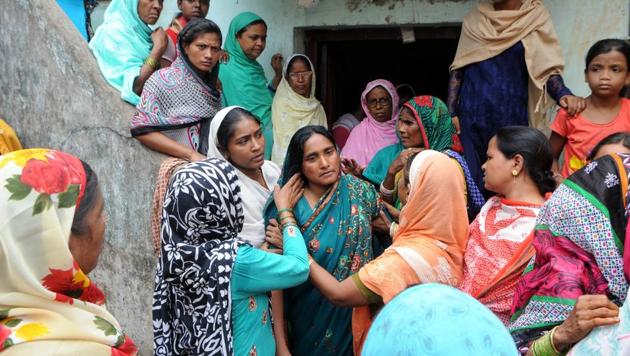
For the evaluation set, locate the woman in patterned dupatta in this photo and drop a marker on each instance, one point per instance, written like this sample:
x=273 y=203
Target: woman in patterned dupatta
x=334 y=215
x=211 y=288
x=51 y=235
x=580 y=254
x=178 y=102
x=518 y=169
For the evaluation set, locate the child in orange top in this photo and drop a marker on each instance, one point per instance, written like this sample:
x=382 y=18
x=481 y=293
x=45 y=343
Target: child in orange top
x=607 y=65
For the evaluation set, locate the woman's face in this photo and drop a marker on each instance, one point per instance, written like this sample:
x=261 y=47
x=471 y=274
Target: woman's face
x=611 y=149
x=204 y=51
x=321 y=162
x=253 y=40
x=246 y=146
x=300 y=77
x=379 y=104
x=149 y=11
x=497 y=171
x=409 y=130
x=193 y=8
x=87 y=247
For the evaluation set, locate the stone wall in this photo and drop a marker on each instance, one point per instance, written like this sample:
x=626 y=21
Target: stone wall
x=54 y=96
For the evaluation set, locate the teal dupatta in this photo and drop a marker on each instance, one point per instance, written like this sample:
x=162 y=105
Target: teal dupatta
x=338 y=235
x=244 y=82
x=120 y=45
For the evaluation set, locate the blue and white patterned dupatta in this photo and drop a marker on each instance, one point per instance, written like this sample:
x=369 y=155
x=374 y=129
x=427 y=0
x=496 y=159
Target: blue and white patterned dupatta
x=176 y=97
x=201 y=218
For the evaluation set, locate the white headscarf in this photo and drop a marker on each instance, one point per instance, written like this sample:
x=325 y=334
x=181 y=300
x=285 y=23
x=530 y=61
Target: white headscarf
x=253 y=194
x=291 y=111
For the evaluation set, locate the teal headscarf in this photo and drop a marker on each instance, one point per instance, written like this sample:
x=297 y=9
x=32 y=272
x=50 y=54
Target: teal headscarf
x=120 y=45
x=435 y=319
x=244 y=81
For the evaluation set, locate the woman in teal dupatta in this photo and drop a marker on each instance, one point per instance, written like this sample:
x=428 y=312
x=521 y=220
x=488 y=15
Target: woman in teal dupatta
x=337 y=232
x=123 y=45
x=243 y=78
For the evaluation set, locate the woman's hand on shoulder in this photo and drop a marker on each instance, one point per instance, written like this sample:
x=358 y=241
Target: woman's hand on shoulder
x=572 y=104
x=400 y=161
x=590 y=311
x=350 y=166
x=287 y=196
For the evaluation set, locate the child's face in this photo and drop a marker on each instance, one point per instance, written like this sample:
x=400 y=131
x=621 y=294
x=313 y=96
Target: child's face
x=607 y=74
x=611 y=149
x=194 y=8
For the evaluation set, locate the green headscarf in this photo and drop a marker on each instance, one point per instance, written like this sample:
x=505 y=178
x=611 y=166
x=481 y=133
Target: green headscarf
x=120 y=45
x=436 y=128
x=244 y=81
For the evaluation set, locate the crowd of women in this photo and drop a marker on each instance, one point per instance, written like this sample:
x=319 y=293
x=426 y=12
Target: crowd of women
x=432 y=228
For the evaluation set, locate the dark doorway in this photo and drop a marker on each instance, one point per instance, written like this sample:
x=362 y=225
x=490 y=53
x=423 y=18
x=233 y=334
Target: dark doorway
x=347 y=59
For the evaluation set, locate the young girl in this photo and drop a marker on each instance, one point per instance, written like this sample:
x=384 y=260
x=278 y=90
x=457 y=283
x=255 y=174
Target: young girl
x=606 y=73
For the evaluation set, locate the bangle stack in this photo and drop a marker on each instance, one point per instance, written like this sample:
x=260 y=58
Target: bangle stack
x=544 y=346
x=286 y=218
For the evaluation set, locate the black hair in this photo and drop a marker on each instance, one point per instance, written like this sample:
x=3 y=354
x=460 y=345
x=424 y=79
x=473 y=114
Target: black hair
x=405 y=91
x=227 y=127
x=606 y=46
x=180 y=1
x=407 y=167
x=90 y=195
x=295 y=152
x=298 y=58
x=534 y=147
x=244 y=29
x=197 y=27
x=618 y=137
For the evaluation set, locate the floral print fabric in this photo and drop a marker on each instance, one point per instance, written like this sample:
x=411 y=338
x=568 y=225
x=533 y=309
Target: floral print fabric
x=46 y=301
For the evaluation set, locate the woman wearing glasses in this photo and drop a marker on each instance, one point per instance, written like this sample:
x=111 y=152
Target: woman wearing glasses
x=377 y=130
x=294 y=105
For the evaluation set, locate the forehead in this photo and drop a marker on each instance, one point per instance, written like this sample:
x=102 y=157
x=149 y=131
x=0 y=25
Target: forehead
x=257 y=29
x=378 y=93
x=298 y=64
x=610 y=57
x=316 y=143
x=245 y=126
x=208 y=38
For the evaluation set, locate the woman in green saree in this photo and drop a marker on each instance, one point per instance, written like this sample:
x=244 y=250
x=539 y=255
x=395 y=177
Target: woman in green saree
x=334 y=215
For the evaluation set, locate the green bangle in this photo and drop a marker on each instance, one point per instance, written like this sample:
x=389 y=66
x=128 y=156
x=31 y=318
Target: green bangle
x=284 y=210
x=544 y=346
x=155 y=65
x=286 y=217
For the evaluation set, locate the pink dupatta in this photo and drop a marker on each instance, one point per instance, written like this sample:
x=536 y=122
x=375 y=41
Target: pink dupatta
x=370 y=136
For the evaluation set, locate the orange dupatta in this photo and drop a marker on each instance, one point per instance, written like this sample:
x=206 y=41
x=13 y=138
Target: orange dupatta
x=430 y=242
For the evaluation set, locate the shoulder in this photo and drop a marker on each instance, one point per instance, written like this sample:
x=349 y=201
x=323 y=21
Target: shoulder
x=271 y=171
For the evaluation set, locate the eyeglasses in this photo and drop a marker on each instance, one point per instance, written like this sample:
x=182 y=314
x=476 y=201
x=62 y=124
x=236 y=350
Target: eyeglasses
x=300 y=75
x=379 y=102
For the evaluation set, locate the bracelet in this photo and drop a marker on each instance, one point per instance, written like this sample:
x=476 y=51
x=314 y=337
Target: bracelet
x=152 y=63
x=551 y=340
x=386 y=192
x=310 y=260
x=544 y=347
x=284 y=210
x=392 y=229
x=286 y=217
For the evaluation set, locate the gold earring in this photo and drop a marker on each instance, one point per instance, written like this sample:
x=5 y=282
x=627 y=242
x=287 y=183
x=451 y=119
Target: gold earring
x=514 y=173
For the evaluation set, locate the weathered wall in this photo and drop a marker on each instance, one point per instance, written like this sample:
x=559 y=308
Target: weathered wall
x=54 y=96
x=579 y=23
